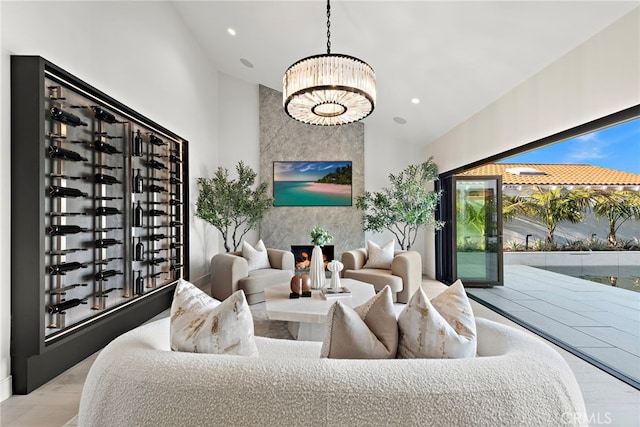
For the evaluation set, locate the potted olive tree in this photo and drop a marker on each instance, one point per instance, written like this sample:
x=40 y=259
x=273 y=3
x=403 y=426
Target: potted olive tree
x=232 y=205
x=405 y=206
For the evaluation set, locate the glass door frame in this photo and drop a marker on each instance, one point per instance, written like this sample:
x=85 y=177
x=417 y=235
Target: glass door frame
x=446 y=239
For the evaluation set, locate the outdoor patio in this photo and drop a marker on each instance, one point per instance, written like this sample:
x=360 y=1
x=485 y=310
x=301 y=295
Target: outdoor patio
x=600 y=321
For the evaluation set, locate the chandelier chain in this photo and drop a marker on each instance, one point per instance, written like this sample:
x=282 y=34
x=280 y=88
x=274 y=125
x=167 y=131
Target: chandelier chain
x=328 y=28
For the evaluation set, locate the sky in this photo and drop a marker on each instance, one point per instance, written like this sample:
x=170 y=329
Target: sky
x=616 y=147
x=304 y=171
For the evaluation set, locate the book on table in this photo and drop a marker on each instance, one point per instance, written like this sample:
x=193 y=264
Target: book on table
x=329 y=293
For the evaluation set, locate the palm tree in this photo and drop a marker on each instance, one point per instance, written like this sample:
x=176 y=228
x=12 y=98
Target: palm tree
x=550 y=206
x=618 y=207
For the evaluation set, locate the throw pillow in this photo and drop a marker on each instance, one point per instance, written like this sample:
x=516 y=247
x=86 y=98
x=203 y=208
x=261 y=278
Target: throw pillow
x=257 y=257
x=441 y=328
x=201 y=324
x=369 y=331
x=379 y=256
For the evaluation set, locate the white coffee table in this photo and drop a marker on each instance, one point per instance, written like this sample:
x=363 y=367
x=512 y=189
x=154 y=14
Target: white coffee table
x=307 y=316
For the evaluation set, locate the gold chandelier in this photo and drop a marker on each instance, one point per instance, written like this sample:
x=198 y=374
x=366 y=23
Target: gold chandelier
x=329 y=89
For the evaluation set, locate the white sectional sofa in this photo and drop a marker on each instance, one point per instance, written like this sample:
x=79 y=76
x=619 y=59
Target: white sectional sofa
x=515 y=380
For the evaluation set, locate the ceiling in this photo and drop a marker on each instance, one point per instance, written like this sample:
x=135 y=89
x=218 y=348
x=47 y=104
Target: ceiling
x=456 y=57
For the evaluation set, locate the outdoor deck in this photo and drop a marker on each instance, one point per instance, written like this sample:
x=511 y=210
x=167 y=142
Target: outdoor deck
x=602 y=322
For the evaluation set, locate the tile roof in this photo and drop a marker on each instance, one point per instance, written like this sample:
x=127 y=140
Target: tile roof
x=556 y=174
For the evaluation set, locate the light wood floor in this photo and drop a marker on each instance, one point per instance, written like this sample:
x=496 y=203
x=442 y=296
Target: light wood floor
x=608 y=400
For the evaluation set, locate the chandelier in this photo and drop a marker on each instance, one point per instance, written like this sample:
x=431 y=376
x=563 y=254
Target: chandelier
x=329 y=89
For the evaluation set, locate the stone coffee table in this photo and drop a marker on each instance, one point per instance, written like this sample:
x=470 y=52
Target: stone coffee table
x=307 y=316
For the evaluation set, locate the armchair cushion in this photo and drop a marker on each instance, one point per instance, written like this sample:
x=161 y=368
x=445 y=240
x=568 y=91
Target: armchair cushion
x=257 y=257
x=379 y=256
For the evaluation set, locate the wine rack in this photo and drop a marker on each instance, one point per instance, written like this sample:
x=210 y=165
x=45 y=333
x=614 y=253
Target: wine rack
x=99 y=229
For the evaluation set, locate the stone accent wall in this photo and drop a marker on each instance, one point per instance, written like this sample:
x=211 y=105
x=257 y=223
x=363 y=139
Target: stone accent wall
x=285 y=139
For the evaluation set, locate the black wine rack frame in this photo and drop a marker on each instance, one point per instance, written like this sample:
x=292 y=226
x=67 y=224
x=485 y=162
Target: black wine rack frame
x=99 y=219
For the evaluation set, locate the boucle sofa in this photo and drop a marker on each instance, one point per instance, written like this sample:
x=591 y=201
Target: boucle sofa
x=516 y=380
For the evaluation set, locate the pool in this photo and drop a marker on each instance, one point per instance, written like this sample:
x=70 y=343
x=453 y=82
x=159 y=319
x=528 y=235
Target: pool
x=620 y=276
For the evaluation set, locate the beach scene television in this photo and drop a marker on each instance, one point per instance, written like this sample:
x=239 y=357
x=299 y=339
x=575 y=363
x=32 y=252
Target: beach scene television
x=312 y=183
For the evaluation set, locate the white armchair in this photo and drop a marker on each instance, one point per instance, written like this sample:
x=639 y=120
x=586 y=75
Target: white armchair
x=230 y=272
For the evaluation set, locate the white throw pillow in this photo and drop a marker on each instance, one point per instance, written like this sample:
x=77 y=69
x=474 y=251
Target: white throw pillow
x=369 y=331
x=201 y=324
x=379 y=256
x=441 y=328
x=257 y=257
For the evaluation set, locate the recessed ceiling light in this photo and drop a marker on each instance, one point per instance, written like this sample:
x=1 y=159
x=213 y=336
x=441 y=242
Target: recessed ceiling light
x=400 y=120
x=415 y=100
x=231 y=31
x=246 y=63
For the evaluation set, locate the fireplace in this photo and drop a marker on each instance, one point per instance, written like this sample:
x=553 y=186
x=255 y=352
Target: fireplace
x=302 y=255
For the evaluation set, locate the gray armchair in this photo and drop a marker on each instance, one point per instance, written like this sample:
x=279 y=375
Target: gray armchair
x=404 y=277
x=230 y=272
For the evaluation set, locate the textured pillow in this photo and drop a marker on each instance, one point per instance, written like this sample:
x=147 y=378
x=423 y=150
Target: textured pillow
x=257 y=257
x=379 y=256
x=369 y=331
x=201 y=324
x=441 y=328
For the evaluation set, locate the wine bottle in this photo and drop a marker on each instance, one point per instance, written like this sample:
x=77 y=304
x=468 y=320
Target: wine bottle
x=104 y=275
x=175 y=223
x=61 y=230
x=100 y=178
x=175 y=245
x=156 y=212
x=104 y=211
x=137 y=215
x=65 y=305
x=156 y=164
x=157 y=189
x=65 y=267
x=107 y=136
x=63 y=290
x=158 y=261
x=156 y=237
x=175 y=159
x=138 y=182
x=139 y=255
x=66 y=213
x=156 y=141
x=174 y=180
x=103 y=147
x=139 y=287
x=57 y=191
x=105 y=243
x=174 y=267
x=65 y=117
x=137 y=145
x=56 y=152
x=108 y=197
x=107 y=260
x=175 y=202
x=103 y=115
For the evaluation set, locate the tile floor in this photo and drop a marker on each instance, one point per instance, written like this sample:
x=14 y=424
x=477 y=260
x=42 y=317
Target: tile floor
x=600 y=321
x=608 y=400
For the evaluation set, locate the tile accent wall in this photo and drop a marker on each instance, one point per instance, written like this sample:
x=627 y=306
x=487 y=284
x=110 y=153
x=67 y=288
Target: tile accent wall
x=284 y=139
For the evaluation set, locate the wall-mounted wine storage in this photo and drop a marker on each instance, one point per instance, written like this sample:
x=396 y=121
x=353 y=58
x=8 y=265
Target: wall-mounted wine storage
x=99 y=228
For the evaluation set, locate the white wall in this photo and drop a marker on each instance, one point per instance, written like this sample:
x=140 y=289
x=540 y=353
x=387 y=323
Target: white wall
x=238 y=132
x=600 y=77
x=141 y=55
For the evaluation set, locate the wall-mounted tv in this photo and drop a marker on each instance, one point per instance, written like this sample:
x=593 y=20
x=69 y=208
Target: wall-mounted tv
x=312 y=183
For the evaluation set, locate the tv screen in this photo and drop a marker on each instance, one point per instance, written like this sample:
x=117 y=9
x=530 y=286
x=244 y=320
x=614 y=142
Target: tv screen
x=312 y=183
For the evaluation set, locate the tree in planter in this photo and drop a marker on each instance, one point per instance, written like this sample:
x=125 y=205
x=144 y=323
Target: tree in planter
x=230 y=205
x=550 y=206
x=403 y=207
x=617 y=207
